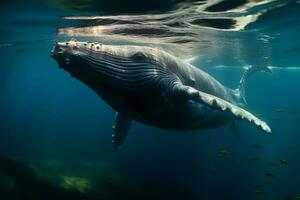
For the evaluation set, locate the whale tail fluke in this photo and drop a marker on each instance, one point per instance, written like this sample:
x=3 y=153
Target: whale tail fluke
x=245 y=77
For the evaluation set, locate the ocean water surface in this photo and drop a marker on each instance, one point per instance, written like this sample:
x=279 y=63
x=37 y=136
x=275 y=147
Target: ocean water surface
x=55 y=133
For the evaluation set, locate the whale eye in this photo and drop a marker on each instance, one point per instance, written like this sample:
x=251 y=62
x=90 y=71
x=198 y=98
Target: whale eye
x=192 y=82
x=139 y=56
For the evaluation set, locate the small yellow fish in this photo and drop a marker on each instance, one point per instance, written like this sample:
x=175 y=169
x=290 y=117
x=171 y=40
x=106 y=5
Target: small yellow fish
x=285 y=162
x=254 y=157
x=273 y=164
x=258 y=191
x=269 y=174
x=223 y=152
x=279 y=110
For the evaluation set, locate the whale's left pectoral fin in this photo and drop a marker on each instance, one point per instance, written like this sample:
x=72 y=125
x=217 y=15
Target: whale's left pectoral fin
x=190 y=93
x=120 y=130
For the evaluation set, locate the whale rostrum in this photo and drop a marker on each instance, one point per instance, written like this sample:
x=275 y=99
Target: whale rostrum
x=151 y=86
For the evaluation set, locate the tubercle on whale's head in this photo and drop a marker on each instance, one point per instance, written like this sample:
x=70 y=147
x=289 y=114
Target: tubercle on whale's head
x=94 y=61
x=63 y=52
x=67 y=53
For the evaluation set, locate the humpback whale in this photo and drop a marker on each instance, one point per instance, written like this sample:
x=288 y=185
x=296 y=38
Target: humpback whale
x=151 y=86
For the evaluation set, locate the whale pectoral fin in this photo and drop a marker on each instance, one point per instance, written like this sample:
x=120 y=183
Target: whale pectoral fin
x=120 y=130
x=189 y=93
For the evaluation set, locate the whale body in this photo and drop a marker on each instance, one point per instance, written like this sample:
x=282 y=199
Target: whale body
x=154 y=87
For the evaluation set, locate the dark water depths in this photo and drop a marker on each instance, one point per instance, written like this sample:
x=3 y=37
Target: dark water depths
x=59 y=131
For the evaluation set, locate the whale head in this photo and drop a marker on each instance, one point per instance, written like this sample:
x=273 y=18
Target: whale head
x=109 y=65
x=70 y=54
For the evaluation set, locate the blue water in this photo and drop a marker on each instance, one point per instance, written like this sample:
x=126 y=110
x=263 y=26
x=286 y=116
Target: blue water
x=48 y=117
